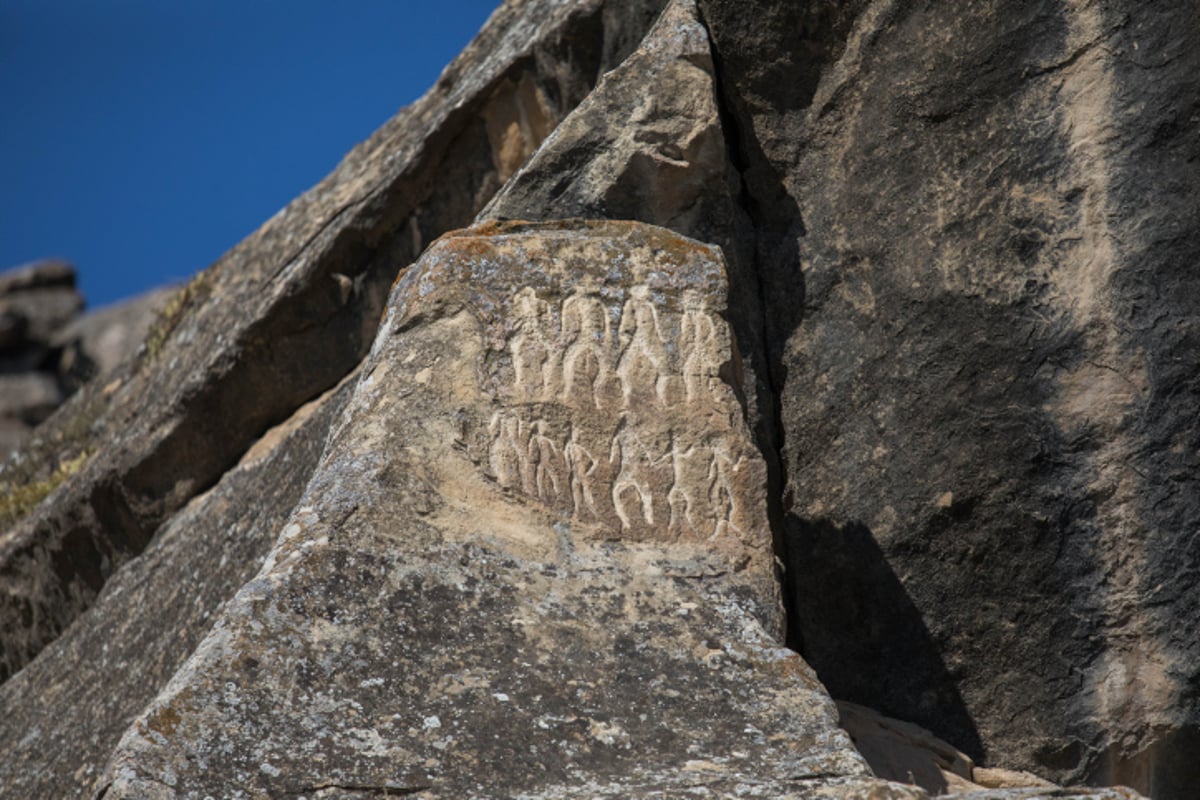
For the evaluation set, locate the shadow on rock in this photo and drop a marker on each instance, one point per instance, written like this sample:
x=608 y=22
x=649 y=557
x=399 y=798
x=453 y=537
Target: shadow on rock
x=849 y=607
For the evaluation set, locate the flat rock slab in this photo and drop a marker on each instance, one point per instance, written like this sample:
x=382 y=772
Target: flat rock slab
x=534 y=561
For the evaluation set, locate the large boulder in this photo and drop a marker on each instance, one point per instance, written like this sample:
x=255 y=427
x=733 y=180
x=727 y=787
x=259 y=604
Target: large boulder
x=988 y=364
x=534 y=559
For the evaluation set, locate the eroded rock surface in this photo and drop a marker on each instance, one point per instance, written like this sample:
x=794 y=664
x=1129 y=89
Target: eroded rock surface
x=534 y=561
x=988 y=363
x=286 y=313
x=66 y=710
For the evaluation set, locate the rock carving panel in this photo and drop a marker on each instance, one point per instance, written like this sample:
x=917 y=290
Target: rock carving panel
x=607 y=412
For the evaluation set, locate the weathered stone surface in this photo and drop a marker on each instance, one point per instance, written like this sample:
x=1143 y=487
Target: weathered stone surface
x=990 y=378
x=904 y=752
x=285 y=314
x=36 y=300
x=66 y=710
x=660 y=157
x=29 y=397
x=534 y=561
x=95 y=344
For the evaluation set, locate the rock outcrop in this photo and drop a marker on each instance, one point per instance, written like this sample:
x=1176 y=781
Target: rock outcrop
x=49 y=347
x=534 y=559
x=36 y=301
x=894 y=298
x=124 y=455
x=987 y=364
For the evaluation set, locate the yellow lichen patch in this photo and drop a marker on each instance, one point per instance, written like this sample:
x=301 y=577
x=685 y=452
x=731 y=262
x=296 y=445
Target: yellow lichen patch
x=17 y=501
x=168 y=318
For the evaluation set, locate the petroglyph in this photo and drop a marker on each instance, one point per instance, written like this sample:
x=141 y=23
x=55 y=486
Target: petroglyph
x=644 y=362
x=588 y=348
x=597 y=391
x=569 y=352
x=534 y=351
x=607 y=416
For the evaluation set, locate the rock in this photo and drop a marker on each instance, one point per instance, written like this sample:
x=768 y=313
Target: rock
x=66 y=710
x=997 y=778
x=938 y=354
x=986 y=329
x=279 y=319
x=901 y=751
x=37 y=275
x=660 y=157
x=533 y=562
x=35 y=301
x=28 y=397
x=94 y=344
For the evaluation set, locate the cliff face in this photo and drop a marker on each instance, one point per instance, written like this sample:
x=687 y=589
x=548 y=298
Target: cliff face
x=891 y=358
x=984 y=367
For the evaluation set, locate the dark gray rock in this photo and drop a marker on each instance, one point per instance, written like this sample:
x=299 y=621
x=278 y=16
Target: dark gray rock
x=986 y=332
x=36 y=300
x=66 y=710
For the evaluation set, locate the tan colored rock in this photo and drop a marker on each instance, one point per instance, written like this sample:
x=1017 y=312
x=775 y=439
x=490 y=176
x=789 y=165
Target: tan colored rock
x=533 y=562
x=902 y=751
x=999 y=778
x=659 y=156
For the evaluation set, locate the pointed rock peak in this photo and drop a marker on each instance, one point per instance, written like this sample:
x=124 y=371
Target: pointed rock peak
x=646 y=144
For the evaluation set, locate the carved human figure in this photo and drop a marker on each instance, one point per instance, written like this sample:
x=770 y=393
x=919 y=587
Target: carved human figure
x=546 y=463
x=685 y=483
x=581 y=469
x=644 y=359
x=508 y=454
x=634 y=464
x=721 y=475
x=701 y=351
x=532 y=346
x=588 y=348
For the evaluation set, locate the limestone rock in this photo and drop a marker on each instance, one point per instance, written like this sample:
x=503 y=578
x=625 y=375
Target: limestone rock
x=66 y=710
x=534 y=561
x=95 y=344
x=661 y=157
x=35 y=301
x=990 y=329
x=282 y=317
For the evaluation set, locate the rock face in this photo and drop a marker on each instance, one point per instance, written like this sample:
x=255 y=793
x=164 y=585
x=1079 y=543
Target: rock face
x=901 y=299
x=125 y=454
x=988 y=377
x=534 y=560
x=66 y=710
x=36 y=301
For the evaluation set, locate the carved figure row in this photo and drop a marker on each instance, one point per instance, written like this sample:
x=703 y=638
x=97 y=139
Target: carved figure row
x=632 y=479
x=572 y=354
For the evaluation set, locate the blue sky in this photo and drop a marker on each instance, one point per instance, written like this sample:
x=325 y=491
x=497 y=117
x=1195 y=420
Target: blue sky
x=141 y=139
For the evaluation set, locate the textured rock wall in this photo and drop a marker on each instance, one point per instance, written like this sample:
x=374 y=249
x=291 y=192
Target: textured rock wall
x=939 y=348
x=534 y=560
x=987 y=363
x=288 y=312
